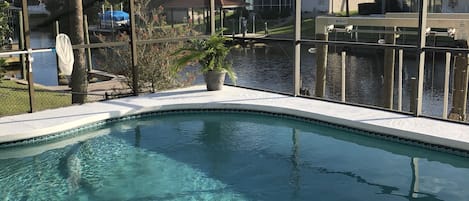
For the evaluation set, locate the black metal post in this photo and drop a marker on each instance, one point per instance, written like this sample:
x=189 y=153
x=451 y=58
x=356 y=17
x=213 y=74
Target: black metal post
x=133 y=47
x=347 y=8
x=24 y=70
x=421 y=54
x=27 y=46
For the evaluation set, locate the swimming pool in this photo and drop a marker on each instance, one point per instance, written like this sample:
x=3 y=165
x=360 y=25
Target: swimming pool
x=228 y=155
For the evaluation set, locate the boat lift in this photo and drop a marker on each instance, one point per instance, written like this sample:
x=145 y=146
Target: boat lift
x=455 y=24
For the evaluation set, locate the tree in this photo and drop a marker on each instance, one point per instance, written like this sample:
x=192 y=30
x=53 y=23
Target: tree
x=61 y=10
x=79 y=74
x=4 y=28
x=154 y=60
x=2 y=70
x=4 y=31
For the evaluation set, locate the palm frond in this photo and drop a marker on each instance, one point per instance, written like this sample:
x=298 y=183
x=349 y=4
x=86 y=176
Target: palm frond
x=211 y=53
x=186 y=59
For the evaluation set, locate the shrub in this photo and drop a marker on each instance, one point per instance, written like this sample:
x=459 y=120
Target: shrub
x=2 y=70
x=154 y=59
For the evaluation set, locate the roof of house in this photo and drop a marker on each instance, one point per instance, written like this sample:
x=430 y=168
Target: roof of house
x=204 y=3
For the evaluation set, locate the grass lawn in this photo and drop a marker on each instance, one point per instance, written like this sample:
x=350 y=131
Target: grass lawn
x=307 y=28
x=14 y=98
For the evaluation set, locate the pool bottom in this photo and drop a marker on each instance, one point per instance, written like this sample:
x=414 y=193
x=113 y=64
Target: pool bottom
x=107 y=168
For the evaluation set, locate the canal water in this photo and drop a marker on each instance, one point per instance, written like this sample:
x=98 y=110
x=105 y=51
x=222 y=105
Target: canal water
x=44 y=64
x=270 y=66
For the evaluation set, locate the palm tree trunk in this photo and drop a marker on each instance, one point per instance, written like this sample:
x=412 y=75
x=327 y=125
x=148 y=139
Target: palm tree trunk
x=79 y=74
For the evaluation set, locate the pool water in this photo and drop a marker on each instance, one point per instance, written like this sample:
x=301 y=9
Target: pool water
x=228 y=156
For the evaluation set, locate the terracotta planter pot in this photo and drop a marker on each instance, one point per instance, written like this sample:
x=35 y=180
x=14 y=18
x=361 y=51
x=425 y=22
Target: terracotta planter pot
x=214 y=80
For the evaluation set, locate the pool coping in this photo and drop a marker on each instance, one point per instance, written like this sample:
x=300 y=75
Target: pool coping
x=425 y=130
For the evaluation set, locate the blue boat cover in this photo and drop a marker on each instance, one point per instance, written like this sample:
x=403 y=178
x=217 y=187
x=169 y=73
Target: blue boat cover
x=116 y=15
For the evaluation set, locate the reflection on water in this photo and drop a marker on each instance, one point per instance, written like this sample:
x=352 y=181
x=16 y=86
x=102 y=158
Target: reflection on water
x=264 y=67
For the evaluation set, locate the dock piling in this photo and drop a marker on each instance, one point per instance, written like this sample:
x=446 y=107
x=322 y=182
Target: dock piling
x=399 y=85
x=446 y=87
x=344 y=55
x=389 y=62
x=460 y=86
x=321 y=65
x=413 y=94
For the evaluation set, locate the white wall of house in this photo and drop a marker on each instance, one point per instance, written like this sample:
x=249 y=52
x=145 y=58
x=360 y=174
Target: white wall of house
x=336 y=6
x=455 y=6
x=178 y=15
x=331 y=6
x=443 y=6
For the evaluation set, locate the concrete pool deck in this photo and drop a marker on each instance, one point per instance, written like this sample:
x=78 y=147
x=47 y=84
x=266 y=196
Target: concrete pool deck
x=26 y=126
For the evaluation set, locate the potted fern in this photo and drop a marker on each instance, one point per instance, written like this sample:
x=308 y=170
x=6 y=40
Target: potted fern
x=211 y=54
